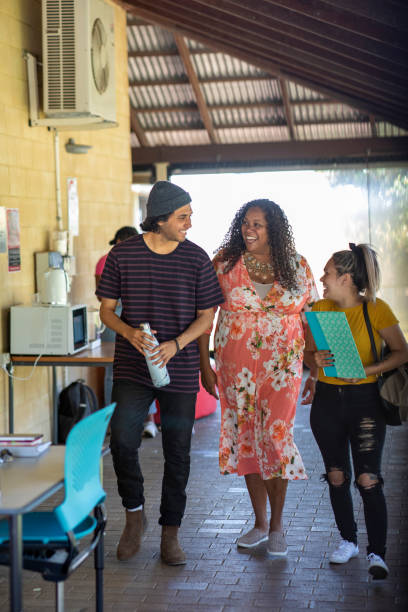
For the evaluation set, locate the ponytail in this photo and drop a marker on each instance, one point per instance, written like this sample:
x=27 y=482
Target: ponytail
x=362 y=265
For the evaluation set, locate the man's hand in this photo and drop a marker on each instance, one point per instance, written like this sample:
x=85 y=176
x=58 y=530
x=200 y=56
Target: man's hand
x=162 y=353
x=140 y=339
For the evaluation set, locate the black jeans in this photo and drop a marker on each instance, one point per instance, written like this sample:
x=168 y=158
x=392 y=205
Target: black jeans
x=345 y=416
x=177 y=413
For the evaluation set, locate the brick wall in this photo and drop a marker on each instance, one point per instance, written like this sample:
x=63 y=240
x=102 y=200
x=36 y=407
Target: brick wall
x=27 y=182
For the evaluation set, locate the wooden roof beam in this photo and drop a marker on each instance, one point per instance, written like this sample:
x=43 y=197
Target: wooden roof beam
x=285 y=59
x=154 y=53
x=203 y=81
x=168 y=52
x=373 y=126
x=137 y=128
x=287 y=108
x=322 y=12
x=306 y=27
x=384 y=11
x=313 y=150
x=363 y=100
x=285 y=40
x=133 y=21
x=258 y=124
x=191 y=73
x=237 y=105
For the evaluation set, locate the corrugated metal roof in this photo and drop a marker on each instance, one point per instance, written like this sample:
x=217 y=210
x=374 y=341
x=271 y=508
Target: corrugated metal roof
x=144 y=69
x=159 y=96
x=315 y=113
x=223 y=99
x=134 y=143
x=149 y=38
x=254 y=134
x=386 y=130
x=299 y=93
x=266 y=116
x=330 y=131
x=170 y=121
x=216 y=65
x=179 y=138
x=241 y=92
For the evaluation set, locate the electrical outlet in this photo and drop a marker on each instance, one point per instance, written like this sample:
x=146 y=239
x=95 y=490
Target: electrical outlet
x=4 y=359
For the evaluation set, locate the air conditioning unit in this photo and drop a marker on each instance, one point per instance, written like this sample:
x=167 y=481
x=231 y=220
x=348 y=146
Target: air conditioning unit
x=78 y=46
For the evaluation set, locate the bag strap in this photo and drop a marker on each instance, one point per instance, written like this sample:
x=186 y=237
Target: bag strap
x=82 y=399
x=93 y=402
x=370 y=332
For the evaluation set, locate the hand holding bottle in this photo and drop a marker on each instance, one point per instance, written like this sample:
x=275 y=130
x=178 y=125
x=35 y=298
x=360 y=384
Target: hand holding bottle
x=155 y=363
x=163 y=353
x=141 y=340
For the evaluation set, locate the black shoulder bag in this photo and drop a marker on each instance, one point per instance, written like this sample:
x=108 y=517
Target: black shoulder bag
x=391 y=410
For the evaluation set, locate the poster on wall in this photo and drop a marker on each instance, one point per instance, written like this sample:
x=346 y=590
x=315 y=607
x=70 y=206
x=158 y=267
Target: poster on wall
x=73 y=207
x=13 y=240
x=3 y=230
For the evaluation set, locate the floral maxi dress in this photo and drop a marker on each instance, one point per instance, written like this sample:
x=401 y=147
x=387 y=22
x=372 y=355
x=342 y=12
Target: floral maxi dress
x=259 y=353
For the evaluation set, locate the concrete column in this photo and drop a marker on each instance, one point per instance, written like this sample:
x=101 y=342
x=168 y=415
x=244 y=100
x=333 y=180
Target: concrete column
x=161 y=171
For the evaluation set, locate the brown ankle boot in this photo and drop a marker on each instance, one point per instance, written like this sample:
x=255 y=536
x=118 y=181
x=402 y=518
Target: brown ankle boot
x=131 y=537
x=170 y=549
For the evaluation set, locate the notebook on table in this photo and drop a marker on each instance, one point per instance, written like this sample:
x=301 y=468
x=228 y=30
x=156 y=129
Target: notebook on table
x=21 y=439
x=24 y=445
x=28 y=451
x=331 y=332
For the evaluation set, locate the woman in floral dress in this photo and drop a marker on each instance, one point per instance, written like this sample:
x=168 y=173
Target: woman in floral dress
x=259 y=343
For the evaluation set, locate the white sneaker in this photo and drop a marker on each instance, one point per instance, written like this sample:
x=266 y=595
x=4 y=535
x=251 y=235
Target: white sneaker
x=252 y=538
x=344 y=552
x=377 y=567
x=276 y=544
x=150 y=430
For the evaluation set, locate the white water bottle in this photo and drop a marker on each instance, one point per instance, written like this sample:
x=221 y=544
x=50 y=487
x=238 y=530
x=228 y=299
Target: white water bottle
x=160 y=376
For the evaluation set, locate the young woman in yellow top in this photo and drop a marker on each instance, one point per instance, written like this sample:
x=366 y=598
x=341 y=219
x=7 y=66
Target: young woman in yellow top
x=346 y=413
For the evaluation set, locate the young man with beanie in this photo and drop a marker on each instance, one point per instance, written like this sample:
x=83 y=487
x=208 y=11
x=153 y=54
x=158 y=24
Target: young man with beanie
x=166 y=280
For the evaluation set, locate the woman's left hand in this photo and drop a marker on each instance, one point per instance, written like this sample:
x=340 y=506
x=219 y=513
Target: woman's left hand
x=308 y=391
x=323 y=359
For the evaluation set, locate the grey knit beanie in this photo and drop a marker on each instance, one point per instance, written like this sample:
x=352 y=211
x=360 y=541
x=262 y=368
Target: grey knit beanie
x=165 y=197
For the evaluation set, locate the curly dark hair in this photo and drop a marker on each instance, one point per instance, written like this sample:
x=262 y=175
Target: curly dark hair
x=281 y=242
x=151 y=224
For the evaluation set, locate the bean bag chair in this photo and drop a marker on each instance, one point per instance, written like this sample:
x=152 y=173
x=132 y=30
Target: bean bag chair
x=206 y=404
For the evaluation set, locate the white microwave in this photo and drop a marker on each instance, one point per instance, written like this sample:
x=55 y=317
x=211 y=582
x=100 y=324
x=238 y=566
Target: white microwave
x=48 y=330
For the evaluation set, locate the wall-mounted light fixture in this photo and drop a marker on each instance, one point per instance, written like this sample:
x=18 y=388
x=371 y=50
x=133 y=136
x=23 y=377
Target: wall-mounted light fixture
x=72 y=147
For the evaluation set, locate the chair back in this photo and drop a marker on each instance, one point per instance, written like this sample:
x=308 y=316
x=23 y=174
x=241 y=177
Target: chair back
x=83 y=488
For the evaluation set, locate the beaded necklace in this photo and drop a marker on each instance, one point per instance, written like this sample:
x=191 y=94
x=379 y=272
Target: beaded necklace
x=262 y=270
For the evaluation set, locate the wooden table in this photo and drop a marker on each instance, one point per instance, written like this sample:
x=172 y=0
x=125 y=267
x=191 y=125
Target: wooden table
x=24 y=484
x=100 y=356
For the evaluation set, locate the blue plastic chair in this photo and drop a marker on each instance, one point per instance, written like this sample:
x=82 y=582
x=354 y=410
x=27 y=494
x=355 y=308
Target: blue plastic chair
x=51 y=539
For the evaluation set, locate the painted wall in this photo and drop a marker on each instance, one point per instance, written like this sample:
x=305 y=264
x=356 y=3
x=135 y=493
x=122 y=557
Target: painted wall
x=27 y=182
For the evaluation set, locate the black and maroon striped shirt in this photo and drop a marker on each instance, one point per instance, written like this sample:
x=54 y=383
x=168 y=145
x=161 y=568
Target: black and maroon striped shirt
x=165 y=290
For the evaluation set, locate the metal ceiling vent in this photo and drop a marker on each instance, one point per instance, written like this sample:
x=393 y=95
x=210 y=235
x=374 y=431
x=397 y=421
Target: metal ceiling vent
x=78 y=59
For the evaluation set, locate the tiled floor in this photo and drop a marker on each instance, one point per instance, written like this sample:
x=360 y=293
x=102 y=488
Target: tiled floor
x=220 y=578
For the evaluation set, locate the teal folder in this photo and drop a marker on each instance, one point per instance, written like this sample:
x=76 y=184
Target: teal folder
x=331 y=332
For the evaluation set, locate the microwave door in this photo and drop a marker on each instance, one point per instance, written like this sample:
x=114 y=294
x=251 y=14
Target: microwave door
x=79 y=328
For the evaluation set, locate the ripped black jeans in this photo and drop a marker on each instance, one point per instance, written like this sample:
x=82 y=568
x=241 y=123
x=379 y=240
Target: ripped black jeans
x=344 y=417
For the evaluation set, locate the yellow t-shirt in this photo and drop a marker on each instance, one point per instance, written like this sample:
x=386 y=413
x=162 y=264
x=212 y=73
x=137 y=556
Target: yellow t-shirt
x=381 y=316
